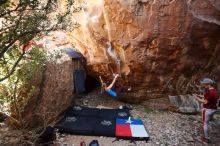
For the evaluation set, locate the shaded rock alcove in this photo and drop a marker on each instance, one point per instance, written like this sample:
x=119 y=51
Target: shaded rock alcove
x=91 y=83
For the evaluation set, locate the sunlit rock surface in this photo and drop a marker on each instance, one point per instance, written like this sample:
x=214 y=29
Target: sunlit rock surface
x=163 y=46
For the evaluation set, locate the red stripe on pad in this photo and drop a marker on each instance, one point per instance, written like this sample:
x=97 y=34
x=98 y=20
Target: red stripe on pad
x=123 y=130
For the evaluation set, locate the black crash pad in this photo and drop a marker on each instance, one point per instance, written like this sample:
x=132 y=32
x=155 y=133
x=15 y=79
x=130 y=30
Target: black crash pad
x=81 y=120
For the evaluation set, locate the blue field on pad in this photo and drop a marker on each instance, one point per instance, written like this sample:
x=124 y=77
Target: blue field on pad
x=132 y=122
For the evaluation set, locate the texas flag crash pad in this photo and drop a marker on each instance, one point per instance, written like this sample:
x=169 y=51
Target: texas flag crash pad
x=131 y=129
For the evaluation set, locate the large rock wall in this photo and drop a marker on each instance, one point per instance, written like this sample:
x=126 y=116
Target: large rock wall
x=164 y=46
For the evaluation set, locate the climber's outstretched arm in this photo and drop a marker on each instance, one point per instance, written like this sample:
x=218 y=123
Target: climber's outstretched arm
x=113 y=82
x=101 y=80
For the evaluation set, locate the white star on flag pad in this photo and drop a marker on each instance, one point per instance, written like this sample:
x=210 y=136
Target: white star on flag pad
x=129 y=120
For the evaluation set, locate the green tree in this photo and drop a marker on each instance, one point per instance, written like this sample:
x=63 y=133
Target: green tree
x=20 y=22
x=23 y=20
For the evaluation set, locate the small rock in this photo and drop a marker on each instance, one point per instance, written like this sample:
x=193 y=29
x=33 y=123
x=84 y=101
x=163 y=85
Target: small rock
x=167 y=131
x=190 y=139
x=195 y=121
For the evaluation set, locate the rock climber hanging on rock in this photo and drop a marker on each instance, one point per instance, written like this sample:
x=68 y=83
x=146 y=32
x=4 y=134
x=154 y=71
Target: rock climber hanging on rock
x=209 y=101
x=113 y=90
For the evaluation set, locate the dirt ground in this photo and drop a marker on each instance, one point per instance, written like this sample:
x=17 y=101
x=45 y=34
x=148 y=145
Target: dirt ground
x=165 y=128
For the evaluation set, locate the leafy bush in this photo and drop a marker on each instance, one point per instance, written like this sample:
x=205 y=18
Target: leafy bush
x=15 y=89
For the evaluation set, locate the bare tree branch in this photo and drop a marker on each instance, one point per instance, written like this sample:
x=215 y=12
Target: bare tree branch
x=10 y=11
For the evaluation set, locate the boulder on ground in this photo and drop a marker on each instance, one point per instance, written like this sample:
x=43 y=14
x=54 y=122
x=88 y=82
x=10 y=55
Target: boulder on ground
x=185 y=104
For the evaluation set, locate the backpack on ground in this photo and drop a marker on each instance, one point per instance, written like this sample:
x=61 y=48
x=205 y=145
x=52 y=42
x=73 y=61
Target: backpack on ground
x=94 y=143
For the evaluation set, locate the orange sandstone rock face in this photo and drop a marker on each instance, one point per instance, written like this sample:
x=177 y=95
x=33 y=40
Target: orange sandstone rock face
x=158 y=46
